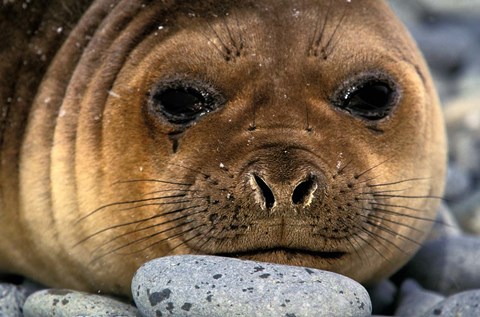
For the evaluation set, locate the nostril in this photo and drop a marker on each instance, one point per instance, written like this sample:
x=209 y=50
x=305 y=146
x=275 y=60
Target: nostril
x=266 y=192
x=303 y=193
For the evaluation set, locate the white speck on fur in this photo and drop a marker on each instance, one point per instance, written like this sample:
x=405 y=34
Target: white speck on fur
x=339 y=162
x=113 y=94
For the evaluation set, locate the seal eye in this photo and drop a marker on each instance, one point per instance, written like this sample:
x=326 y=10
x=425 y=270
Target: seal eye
x=184 y=102
x=369 y=98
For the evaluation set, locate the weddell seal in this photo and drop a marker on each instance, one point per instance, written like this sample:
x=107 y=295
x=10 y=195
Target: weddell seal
x=296 y=132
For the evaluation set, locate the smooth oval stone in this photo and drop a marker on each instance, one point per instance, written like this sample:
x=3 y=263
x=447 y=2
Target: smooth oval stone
x=445 y=224
x=382 y=296
x=414 y=301
x=448 y=265
x=192 y=285
x=66 y=303
x=11 y=300
x=465 y=304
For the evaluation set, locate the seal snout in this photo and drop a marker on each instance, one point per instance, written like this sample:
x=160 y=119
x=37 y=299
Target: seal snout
x=269 y=193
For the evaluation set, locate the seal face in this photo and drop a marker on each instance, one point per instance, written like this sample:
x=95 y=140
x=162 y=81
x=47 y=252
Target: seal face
x=302 y=132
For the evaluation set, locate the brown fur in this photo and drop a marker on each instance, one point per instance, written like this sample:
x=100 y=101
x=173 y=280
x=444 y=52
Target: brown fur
x=93 y=183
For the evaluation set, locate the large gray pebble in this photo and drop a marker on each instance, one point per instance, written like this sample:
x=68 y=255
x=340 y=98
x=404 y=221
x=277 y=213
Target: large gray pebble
x=414 y=301
x=445 y=224
x=432 y=38
x=11 y=300
x=468 y=213
x=383 y=296
x=458 y=183
x=465 y=304
x=66 y=303
x=448 y=265
x=211 y=286
x=464 y=7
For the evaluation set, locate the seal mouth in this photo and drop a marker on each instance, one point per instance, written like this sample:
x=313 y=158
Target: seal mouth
x=290 y=253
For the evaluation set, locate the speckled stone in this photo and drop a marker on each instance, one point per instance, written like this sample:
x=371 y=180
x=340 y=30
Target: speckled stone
x=414 y=301
x=11 y=301
x=66 y=303
x=465 y=304
x=212 y=286
x=448 y=265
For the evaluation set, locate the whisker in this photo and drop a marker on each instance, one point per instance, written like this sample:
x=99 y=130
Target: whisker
x=172 y=190
x=393 y=233
x=393 y=222
x=371 y=245
x=176 y=202
x=239 y=31
x=233 y=42
x=134 y=222
x=385 y=239
x=322 y=30
x=358 y=181
x=205 y=237
x=151 y=180
x=337 y=27
x=224 y=46
x=148 y=227
x=355 y=249
x=191 y=169
x=391 y=212
x=357 y=176
x=385 y=191
x=409 y=197
x=184 y=242
x=398 y=182
x=126 y=202
x=315 y=30
x=398 y=206
x=144 y=239
x=340 y=171
x=166 y=239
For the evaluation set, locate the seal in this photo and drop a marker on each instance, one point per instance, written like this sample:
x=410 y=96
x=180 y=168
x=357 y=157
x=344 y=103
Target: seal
x=296 y=132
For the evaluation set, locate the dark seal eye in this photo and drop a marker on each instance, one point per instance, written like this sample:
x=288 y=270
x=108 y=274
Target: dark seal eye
x=183 y=101
x=371 y=98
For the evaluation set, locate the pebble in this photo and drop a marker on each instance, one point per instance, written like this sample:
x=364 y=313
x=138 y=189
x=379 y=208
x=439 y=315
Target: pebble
x=447 y=265
x=11 y=300
x=458 y=183
x=445 y=225
x=466 y=7
x=414 y=301
x=383 y=296
x=468 y=213
x=193 y=285
x=432 y=38
x=465 y=304
x=67 y=303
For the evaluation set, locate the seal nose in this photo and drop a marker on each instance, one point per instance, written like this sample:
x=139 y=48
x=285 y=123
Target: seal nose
x=301 y=194
x=265 y=195
x=304 y=191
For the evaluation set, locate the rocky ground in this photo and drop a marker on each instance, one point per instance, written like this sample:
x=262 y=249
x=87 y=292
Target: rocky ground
x=443 y=279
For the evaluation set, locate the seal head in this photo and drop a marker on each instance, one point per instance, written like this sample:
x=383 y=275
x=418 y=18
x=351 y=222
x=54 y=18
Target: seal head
x=300 y=132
